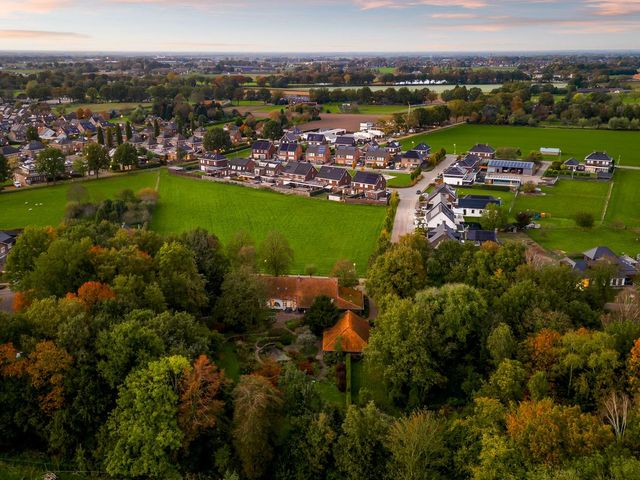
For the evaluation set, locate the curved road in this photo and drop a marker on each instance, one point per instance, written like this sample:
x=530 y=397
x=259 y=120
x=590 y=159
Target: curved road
x=405 y=215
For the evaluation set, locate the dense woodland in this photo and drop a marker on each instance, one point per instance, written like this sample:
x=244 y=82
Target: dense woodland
x=483 y=363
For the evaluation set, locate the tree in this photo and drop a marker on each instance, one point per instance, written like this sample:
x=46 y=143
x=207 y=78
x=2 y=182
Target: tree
x=156 y=128
x=241 y=250
x=399 y=271
x=142 y=432
x=272 y=130
x=79 y=167
x=216 y=140
x=417 y=446
x=179 y=279
x=119 y=138
x=50 y=162
x=33 y=242
x=125 y=157
x=494 y=217
x=5 y=171
x=97 y=157
x=523 y=219
x=200 y=405
x=322 y=314
x=360 y=451
x=32 y=134
x=501 y=343
x=242 y=303
x=47 y=366
x=345 y=271
x=276 y=254
x=256 y=405
x=584 y=219
x=128 y=131
x=108 y=140
x=506 y=383
x=100 y=136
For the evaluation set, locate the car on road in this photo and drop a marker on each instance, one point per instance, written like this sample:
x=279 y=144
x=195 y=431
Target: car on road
x=418 y=192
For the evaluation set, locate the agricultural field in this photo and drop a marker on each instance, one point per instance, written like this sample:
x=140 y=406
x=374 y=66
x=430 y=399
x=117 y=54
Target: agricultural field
x=320 y=232
x=574 y=142
x=367 y=109
x=102 y=107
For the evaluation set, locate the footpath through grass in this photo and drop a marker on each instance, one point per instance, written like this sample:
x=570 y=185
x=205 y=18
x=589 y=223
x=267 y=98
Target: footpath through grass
x=574 y=142
x=320 y=232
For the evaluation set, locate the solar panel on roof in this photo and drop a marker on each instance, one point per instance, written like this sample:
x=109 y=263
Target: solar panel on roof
x=510 y=164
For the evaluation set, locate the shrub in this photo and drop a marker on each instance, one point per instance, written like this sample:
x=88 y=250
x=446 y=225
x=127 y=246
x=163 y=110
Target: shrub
x=584 y=219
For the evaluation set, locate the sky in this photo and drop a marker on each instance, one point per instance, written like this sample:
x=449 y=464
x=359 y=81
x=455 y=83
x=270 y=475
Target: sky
x=247 y=26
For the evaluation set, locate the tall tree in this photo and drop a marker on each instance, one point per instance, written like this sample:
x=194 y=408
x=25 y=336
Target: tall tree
x=242 y=303
x=97 y=157
x=50 y=162
x=143 y=433
x=345 y=271
x=256 y=406
x=4 y=169
x=108 y=140
x=216 y=140
x=276 y=254
x=128 y=130
x=119 y=139
x=100 y=136
x=125 y=157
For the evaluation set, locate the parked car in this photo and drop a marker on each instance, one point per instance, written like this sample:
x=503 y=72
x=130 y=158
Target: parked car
x=418 y=192
x=17 y=184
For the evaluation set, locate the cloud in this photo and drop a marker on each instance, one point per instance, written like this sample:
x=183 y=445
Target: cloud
x=613 y=8
x=10 y=7
x=555 y=25
x=38 y=34
x=454 y=16
x=375 y=4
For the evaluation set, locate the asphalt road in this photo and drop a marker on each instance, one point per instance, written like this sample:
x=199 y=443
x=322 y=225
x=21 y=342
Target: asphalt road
x=405 y=214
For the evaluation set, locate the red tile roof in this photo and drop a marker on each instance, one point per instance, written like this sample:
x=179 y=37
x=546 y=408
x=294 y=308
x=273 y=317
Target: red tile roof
x=304 y=291
x=351 y=332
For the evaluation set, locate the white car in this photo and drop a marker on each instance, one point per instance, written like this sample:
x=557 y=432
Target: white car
x=17 y=184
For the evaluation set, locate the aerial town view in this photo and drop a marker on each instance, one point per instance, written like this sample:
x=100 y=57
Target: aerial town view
x=285 y=240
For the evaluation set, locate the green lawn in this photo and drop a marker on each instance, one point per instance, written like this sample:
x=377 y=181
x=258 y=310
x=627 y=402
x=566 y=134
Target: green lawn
x=573 y=142
x=367 y=109
x=624 y=206
x=240 y=153
x=102 y=107
x=398 y=180
x=320 y=232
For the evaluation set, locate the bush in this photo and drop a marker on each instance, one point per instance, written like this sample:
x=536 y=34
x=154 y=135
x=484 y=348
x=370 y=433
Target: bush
x=284 y=336
x=584 y=219
x=529 y=187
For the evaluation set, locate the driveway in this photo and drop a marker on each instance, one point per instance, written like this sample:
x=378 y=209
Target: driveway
x=405 y=214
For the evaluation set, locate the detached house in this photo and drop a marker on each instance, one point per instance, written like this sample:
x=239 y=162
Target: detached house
x=367 y=183
x=411 y=159
x=345 y=141
x=347 y=156
x=333 y=176
x=214 y=164
x=319 y=154
x=483 y=150
x=299 y=171
x=263 y=150
x=290 y=152
x=316 y=139
x=626 y=267
x=474 y=205
x=377 y=157
x=597 y=162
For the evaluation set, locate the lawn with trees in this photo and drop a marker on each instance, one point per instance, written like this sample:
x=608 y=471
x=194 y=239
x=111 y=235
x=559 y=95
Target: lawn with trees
x=320 y=232
x=574 y=142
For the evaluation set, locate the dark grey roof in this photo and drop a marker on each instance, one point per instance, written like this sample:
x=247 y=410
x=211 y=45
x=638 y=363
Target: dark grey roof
x=298 y=168
x=343 y=150
x=477 y=201
x=443 y=188
x=442 y=232
x=317 y=149
x=8 y=150
x=393 y=144
x=261 y=145
x=332 y=173
x=482 y=236
x=441 y=207
x=572 y=161
x=377 y=152
x=470 y=161
x=599 y=156
x=412 y=154
x=345 y=140
x=288 y=147
x=454 y=171
x=6 y=238
x=213 y=156
x=511 y=164
x=422 y=147
x=369 y=178
x=597 y=253
x=316 y=137
x=482 y=148
x=241 y=162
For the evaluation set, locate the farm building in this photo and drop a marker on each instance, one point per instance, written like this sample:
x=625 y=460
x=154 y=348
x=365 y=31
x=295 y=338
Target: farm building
x=551 y=152
x=298 y=293
x=351 y=333
x=515 y=167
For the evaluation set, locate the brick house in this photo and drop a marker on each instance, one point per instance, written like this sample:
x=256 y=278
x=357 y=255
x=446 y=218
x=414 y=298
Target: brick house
x=319 y=154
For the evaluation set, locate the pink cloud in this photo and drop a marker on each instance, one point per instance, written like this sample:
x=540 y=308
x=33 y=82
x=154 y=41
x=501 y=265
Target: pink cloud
x=10 y=7
x=612 y=8
x=454 y=16
x=374 y=4
x=33 y=34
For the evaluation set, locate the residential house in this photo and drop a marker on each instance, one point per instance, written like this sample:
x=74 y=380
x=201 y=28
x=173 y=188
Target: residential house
x=450 y=195
x=33 y=148
x=441 y=214
x=299 y=171
x=474 y=205
x=242 y=167
x=627 y=269
x=515 y=167
x=368 y=182
x=483 y=150
x=442 y=233
x=350 y=334
x=299 y=293
x=412 y=159
x=333 y=176
x=349 y=156
x=454 y=175
x=597 y=162
x=316 y=139
x=423 y=149
x=573 y=165
x=478 y=237
x=7 y=241
x=290 y=152
x=268 y=168
x=345 y=141
x=394 y=147
x=377 y=157
x=318 y=154
x=263 y=150
x=9 y=152
x=214 y=164
x=234 y=133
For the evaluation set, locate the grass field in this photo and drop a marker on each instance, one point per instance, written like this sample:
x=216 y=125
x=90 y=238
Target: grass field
x=367 y=109
x=573 y=142
x=101 y=107
x=398 y=180
x=320 y=232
